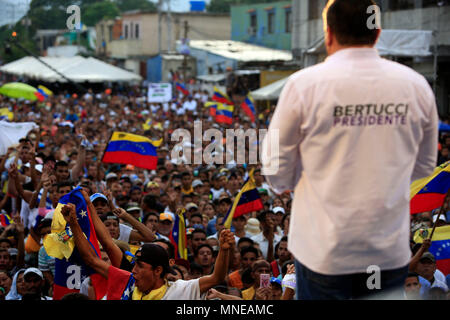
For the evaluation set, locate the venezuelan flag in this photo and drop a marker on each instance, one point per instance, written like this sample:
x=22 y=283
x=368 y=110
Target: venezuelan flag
x=147 y=125
x=247 y=200
x=69 y=266
x=5 y=220
x=182 y=88
x=224 y=114
x=46 y=92
x=178 y=236
x=249 y=107
x=5 y=114
x=127 y=148
x=428 y=193
x=42 y=92
x=221 y=97
x=212 y=107
x=440 y=246
x=39 y=96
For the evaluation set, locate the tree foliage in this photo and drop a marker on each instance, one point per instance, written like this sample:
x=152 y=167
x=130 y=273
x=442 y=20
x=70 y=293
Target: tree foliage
x=128 y=5
x=91 y=13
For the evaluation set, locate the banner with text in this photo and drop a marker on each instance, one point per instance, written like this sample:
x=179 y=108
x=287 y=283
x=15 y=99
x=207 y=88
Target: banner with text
x=159 y=92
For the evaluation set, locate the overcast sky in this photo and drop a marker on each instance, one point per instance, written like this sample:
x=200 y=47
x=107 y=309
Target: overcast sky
x=12 y=10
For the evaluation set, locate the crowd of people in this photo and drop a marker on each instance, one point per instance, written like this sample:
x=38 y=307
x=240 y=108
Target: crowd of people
x=134 y=207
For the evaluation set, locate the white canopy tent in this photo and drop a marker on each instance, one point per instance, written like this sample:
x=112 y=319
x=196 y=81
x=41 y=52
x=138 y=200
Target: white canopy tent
x=406 y=43
x=77 y=69
x=271 y=91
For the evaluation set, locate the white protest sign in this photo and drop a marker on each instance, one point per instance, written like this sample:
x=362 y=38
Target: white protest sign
x=159 y=92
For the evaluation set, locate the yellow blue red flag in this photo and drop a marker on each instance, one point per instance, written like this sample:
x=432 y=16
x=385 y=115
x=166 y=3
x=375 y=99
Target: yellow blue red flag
x=60 y=244
x=221 y=97
x=224 y=113
x=178 y=236
x=440 y=246
x=128 y=148
x=248 y=105
x=247 y=200
x=428 y=193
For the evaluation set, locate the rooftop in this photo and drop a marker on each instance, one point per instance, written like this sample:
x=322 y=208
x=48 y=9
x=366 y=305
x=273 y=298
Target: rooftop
x=241 y=51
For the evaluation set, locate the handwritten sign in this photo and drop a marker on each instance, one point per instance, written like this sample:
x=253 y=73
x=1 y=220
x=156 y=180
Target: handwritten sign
x=159 y=92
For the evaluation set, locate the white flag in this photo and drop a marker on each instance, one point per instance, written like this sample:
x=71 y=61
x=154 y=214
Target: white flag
x=12 y=132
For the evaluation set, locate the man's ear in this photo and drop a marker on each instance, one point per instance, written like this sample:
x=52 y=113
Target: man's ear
x=158 y=270
x=329 y=37
x=171 y=262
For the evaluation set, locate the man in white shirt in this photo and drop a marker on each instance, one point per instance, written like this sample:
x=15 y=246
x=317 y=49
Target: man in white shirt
x=190 y=104
x=354 y=131
x=267 y=239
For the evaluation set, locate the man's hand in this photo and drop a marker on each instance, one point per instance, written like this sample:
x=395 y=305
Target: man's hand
x=85 y=195
x=426 y=244
x=262 y=293
x=18 y=222
x=290 y=269
x=12 y=171
x=46 y=182
x=226 y=239
x=120 y=213
x=179 y=211
x=212 y=294
x=69 y=212
x=109 y=196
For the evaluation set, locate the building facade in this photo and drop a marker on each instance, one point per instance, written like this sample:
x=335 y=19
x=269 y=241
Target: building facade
x=264 y=24
x=432 y=15
x=145 y=35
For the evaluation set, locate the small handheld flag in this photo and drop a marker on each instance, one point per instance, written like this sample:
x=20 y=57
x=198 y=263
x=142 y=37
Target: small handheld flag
x=5 y=114
x=178 y=235
x=224 y=114
x=221 y=97
x=428 y=193
x=249 y=107
x=247 y=200
x=182 y=88
x=440 y=246
x=47 y=92
x=5 y=220
x=127 y=148
x=212 y=107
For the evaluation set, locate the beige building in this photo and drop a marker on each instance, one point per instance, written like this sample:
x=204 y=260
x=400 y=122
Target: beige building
x=140 y=32
x=107 y=31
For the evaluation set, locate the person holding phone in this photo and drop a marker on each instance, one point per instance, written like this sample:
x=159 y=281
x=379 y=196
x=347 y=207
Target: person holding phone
x=260 y=290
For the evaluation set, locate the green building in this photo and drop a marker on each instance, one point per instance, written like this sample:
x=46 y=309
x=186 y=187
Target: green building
x=267 y=24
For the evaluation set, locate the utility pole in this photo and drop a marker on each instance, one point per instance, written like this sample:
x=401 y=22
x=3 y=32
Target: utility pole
x=159 y=25
x=169 y=27
x=186 y=29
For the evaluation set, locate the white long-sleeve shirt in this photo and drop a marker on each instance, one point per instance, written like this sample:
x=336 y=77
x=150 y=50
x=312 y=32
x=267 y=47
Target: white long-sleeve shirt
x=354 y=131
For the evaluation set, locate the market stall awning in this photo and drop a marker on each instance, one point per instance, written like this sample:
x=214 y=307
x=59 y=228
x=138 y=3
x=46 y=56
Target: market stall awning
x=77 y=69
